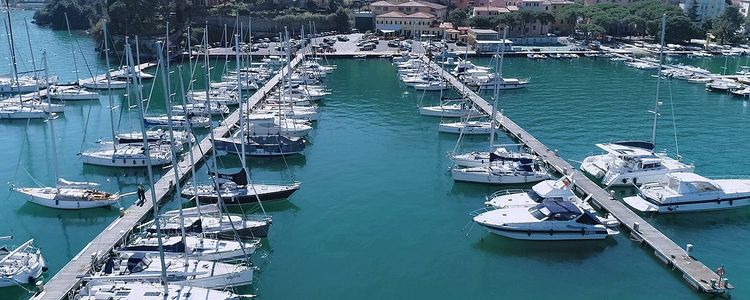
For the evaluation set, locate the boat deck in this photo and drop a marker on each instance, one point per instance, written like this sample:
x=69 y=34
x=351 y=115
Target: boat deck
x=693 y=271
x=68 y=278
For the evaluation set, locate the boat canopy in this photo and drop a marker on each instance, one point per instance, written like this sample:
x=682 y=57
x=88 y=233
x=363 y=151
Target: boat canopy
x=240 y=178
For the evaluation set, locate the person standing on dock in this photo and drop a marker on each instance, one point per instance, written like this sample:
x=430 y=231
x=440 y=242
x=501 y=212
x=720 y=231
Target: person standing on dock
x=141 y=195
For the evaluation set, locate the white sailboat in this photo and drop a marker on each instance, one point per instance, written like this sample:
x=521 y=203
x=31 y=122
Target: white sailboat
x=66 y=195
x=139 y=290
x=451 y=108
x=71 y=92
x=182 y=271
x=124 y=155
x=196 y=247
x=22 y=265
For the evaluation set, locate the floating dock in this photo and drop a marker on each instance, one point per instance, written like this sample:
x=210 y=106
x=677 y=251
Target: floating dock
x=693 y=271
x=65 y=282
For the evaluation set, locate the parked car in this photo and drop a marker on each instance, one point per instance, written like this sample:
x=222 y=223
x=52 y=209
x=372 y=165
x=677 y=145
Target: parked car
x=263 y=45
x=342 y=38
x=367 y=47
x=394 y=43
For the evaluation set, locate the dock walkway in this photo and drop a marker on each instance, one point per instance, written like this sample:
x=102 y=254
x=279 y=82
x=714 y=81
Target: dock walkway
x=68 y=278
x=693 y=271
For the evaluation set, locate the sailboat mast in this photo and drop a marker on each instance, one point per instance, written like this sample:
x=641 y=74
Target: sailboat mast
x=109 y=91
x=147 y=152
x=241 y=108
x=33 y=61
x=167 y=102
x=12 y=46
x=72 y=49
x=498 y=77
x=189 y=132
x=51 y=121
x=658 y=78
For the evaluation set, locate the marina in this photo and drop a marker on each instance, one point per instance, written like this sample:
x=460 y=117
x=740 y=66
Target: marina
x=378 y=207
x=694 y=272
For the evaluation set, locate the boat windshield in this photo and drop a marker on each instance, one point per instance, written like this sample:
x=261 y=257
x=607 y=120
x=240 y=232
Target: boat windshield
x=540 y=212
x=534 y=196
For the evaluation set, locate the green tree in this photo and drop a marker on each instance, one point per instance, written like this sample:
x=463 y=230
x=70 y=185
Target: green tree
x=692 y=12
x=728 y=25
x=526 y=16
x=484 y=22
x=589 y=31
x=459 y=17
x=341 y=20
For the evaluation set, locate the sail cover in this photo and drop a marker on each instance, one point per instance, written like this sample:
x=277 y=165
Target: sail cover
x=240 y=178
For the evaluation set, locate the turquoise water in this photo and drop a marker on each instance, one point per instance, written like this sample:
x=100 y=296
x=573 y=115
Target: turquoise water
x=378 y=215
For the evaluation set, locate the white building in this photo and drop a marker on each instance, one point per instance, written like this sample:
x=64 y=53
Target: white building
x=706 y=8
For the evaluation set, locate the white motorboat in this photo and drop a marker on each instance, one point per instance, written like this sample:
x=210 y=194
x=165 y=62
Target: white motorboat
x=67 y=196
x=743 y=92
x=690 y=192
x=196 y=247
x=139 y=290
x=128 y=155
x=22 y=265
x=723 y=85
x=642 y=65
x=700 y=79
x=552 y=190
x=71 y=93
x=183 y=271
x=465 y=66
x=485 y=158
x=504 y=173
x=548 y=220
x=178 y=121
x=468 y=127
x=503 y=83
x=631 y=163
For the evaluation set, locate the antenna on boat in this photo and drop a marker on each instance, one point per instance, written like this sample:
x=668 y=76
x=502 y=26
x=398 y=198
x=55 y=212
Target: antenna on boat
x=658 y=78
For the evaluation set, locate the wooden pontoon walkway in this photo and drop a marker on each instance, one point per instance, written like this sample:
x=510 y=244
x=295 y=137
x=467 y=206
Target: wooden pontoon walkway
x=67 y=279
x=693 y=271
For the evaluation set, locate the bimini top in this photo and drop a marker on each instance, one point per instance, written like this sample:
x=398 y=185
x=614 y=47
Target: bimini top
x=625 y=151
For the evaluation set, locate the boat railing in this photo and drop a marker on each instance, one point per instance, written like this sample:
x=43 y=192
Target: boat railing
x=505 y=193
x=480 y=211
x=716 y=177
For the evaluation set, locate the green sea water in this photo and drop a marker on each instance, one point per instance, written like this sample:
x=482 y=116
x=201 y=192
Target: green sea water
x=378 y=215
